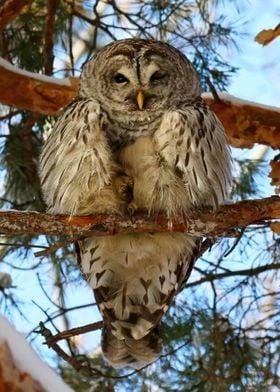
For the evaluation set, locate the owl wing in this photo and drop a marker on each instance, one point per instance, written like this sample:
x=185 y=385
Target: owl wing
x=192 y=142
x=76 y=161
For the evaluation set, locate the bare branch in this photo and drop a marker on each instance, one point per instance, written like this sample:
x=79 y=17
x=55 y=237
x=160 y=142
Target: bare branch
x=9 y=10
x=74 y=332
x=210 y=277
x=275 y=174
x=206 y=222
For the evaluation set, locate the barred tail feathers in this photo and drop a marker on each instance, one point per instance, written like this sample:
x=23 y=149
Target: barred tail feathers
x=131 y=352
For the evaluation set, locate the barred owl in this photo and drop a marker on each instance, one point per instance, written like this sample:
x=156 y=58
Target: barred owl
x=137 y=137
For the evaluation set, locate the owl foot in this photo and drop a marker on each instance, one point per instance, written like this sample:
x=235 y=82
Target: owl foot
x=123 y=186
x=131 y=209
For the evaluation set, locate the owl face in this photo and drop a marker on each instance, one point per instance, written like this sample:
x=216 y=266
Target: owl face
x=136 y=75
x=138 y=83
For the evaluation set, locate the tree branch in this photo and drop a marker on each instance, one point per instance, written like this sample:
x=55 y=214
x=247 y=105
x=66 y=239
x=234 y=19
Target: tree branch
x=34 y=92
x=9 y=10
x=245 y=122
x=205 y=222
x=48 y=36
x=210 y=277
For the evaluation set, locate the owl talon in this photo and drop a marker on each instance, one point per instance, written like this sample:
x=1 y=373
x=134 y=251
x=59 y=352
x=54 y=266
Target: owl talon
x=131 y=209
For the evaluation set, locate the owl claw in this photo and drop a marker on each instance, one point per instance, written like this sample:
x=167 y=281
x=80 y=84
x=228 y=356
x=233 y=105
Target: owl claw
x=131 y=209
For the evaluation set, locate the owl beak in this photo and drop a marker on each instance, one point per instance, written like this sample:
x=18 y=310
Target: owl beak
x=140 y=99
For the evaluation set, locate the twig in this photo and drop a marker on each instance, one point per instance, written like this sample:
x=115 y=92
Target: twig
x=81 y=363
x=74 y=332
x=210 y=277
x=52 y=249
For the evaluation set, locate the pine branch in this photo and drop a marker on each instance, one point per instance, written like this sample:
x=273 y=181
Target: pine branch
x=206 y=222
x=245 y=122
x=9 y=10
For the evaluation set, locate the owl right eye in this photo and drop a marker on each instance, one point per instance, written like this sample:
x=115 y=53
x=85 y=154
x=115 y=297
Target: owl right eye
x=120 y=78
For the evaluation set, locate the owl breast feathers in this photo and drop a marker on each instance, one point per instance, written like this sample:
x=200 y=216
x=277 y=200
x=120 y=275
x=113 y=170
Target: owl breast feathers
x=137 y=137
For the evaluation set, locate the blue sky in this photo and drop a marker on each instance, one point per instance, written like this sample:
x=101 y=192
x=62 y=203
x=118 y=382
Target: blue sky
x=259 y=72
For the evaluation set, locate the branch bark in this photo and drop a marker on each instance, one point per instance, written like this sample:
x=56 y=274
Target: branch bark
x=33 y=92
x=11 y=377
x=264 y=37
x=9 y=10
x=245 y=122
x=205 y=222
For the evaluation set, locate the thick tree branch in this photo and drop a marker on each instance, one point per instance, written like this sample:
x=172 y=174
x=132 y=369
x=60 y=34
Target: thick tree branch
x=37 y=93
x=9 y=10
x=245 y=122
x=206 y=222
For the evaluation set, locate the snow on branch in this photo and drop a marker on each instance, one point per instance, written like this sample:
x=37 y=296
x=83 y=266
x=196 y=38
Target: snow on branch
x=223 y=222
x=37 y=93
x=21 y=369
x=245 y=122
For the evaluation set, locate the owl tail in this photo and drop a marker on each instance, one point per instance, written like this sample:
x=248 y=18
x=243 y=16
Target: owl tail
x=131 y=352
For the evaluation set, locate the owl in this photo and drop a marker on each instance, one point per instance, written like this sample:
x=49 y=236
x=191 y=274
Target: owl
x=138 y=137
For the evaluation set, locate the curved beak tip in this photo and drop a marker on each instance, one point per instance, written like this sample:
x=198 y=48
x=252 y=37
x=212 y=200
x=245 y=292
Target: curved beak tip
x=140 y=99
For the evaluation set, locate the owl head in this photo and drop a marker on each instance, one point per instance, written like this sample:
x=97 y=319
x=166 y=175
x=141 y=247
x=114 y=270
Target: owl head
x=136 y=75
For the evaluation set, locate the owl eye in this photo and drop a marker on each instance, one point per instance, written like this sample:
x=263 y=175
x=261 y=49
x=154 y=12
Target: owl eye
x=120 y=78
x=158 y=75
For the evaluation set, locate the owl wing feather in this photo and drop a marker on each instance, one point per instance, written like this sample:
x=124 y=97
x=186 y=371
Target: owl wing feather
x=76 y=165
x=193 y=143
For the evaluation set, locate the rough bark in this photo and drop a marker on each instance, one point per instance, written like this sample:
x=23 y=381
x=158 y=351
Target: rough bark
x=206 y=222
x=9 y=10
x=245 y=123
x=32 y=92
x=248 y=123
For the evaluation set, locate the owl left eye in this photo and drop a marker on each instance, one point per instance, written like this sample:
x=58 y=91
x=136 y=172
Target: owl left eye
x=158 y=75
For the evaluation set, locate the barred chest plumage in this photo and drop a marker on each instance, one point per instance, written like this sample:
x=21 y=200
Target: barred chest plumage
x=124 y=129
